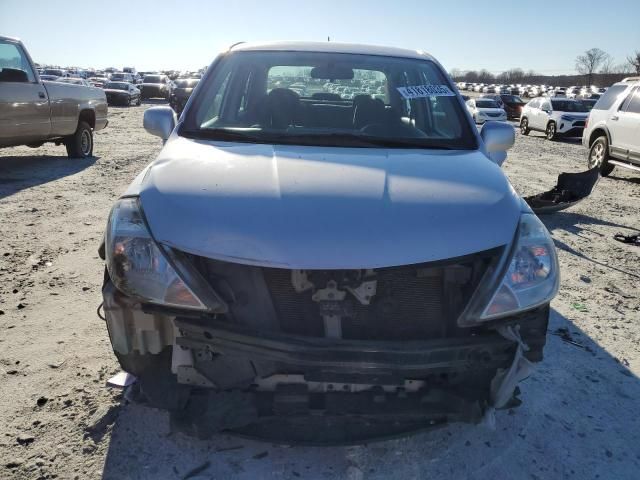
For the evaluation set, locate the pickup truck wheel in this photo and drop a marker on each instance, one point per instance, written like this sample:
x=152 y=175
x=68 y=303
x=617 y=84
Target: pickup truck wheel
x=599 y=156
x=80 y=144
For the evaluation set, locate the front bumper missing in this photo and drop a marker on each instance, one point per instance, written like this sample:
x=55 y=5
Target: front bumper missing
x=310 y=390
x=355 y=357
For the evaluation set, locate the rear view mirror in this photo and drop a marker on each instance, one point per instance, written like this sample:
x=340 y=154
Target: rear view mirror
x=13 y=75
x=159 y=121
x=498 y=137
x=332 y=72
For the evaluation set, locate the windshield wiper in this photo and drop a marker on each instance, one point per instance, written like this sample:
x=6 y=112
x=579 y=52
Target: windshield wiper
x=324 y=139
x=223 y=134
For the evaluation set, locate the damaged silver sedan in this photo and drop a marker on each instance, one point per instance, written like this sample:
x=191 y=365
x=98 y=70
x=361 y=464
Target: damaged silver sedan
x=326 y=250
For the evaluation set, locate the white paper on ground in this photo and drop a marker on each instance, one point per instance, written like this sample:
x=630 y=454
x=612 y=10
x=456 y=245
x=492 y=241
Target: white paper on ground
x=121 y=380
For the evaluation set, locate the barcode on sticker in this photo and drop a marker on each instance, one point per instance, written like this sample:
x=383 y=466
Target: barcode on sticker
x=421 y=91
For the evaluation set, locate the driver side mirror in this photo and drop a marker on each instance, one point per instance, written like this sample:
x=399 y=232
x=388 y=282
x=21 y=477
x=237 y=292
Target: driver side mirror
x=498 y=137
x=159 y=121
x=13 y=75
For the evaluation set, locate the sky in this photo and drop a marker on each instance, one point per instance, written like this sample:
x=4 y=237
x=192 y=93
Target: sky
x=187 y=34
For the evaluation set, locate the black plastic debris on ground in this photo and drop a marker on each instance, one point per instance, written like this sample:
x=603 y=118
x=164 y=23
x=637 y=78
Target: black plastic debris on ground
x=570 y=189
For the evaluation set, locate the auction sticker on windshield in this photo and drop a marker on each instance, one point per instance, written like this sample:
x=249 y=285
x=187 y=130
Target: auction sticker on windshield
x=421 y=91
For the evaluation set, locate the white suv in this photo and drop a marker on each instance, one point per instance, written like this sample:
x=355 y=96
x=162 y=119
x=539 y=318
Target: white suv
x=613 y=129
x=554 y=116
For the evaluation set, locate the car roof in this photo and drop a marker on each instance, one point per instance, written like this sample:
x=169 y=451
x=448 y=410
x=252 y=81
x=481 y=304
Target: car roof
x=629 y=81
x=332 y=47
x=9 y=39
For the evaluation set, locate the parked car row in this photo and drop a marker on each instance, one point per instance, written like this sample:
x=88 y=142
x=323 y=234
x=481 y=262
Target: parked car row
x=531 y=91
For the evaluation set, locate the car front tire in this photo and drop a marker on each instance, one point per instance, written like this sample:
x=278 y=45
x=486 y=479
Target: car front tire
x=551 y=131
x=524 y=126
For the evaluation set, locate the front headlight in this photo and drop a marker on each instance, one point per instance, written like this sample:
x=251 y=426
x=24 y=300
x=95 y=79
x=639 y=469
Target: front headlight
x=136 y=264
x=529 y=279
x=532 y=277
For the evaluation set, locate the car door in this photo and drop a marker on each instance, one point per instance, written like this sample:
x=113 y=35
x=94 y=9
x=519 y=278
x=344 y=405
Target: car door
x=24 y=107
x=625 y=128
x=533 y=114
x=543 y=114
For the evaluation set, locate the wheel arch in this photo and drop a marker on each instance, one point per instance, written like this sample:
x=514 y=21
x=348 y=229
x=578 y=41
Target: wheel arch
x=89 y=116
x=599 y=132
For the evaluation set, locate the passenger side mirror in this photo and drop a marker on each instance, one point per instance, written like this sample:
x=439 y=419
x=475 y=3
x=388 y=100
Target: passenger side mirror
x=160 y=121
x=498 y=137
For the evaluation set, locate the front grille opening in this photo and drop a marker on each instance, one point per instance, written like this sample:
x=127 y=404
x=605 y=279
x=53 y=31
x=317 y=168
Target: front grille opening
x=412 y=302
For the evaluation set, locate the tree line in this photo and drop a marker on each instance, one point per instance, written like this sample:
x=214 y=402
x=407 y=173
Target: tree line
x=593 y=67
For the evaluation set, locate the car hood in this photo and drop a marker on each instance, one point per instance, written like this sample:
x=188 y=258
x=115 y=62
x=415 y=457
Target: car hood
x=114 y=90
x=154 y=85
x=490 y=110
x=325 y=207
x=573 y=115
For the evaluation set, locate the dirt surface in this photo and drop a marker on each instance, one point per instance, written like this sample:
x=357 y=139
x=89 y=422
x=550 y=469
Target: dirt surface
x=59 y=420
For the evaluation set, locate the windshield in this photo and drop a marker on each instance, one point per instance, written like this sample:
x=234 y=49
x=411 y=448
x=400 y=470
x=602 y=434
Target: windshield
x=117 y=86
x=568 y=106
x=186 y=83
x=588 y=104
x=486 y=104
x=511 y=99
x=152 y=79
x=331 y=99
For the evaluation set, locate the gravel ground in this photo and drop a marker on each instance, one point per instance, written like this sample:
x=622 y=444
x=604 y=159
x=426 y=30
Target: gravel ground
x=58 y=420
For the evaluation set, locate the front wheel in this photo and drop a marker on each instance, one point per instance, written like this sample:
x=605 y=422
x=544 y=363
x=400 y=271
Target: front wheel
x=599 y=156
x=80 y=144
x=139 y=102
x=551 y=131
x=524 y=127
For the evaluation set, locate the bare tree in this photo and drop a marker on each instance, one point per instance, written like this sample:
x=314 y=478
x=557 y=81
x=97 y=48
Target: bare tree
x=608 y=65
x=634 y=61
x=456 y=74
x=588 y=63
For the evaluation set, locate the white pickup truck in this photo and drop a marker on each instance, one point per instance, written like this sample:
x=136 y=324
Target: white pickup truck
x=33 y=112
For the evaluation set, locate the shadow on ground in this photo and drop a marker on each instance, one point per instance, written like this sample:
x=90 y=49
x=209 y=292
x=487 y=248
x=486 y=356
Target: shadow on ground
x=576 y=224
x=22 y=172
x=635 y=179
x=579 y=419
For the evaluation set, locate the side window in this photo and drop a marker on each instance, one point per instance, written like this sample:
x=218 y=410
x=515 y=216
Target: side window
x=609 y=97
x=634 y=104
x=624 y=106
x=209 y=117
x=14 y=66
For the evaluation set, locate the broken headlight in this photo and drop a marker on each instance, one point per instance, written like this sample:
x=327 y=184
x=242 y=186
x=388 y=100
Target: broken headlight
x=136 y=264
x=532 y=276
